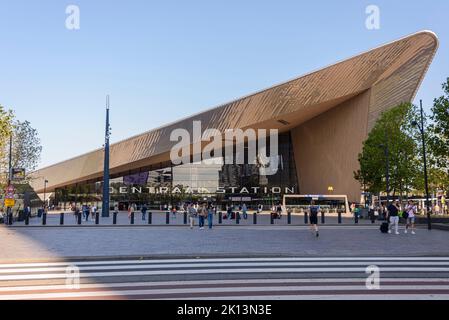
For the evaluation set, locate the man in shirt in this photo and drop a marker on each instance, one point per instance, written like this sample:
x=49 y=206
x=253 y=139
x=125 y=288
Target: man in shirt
x=313 y=217
x=411 y=210
x=393 y=214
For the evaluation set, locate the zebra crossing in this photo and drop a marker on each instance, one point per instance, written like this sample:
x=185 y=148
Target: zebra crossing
x=283 y=278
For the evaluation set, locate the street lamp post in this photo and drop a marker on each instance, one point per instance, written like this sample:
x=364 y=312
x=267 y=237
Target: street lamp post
x=9 y=213
x=387 y=166
x=105 y=202
x=45 y=191
x=426 y=182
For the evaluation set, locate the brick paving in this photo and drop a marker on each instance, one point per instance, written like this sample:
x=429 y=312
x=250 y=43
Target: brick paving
x=30 y=243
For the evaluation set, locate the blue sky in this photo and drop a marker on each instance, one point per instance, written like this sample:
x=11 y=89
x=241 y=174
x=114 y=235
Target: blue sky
x=163 y=60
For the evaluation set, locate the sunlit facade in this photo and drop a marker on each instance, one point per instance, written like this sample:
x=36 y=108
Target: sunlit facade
x=322 y=118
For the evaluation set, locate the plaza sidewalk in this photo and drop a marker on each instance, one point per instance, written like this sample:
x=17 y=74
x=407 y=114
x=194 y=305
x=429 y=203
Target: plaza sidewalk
x=29 y=244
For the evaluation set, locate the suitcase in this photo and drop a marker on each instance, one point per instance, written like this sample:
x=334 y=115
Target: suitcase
x=384 y=227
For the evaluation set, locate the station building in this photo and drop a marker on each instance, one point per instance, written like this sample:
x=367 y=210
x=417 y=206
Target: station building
x=322 y=119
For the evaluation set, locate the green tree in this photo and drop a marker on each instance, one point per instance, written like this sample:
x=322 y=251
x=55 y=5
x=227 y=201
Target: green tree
x=26 y=146
x=439 y=140
x=6 y=118
x=392 y=131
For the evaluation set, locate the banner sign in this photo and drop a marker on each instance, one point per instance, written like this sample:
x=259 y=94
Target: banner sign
x=18 y=174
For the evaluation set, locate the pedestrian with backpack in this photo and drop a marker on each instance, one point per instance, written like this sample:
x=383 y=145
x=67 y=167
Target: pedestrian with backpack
x=313 y=218
x=202 y=214
x=244 y=209
x=144 y=212
x=210 y=216
x=192 y=214
x=393 y=216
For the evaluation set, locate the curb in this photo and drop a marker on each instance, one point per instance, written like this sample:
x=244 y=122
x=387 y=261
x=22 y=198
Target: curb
x=199 y=257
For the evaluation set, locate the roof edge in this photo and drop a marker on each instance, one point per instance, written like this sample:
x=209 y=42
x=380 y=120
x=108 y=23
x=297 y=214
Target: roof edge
x=425 y=31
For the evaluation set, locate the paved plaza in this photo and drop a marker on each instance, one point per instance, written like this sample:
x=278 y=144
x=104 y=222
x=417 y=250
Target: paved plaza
x=31 y=243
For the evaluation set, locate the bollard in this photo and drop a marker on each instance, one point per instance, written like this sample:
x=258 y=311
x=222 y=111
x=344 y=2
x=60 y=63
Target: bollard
x=271 y=218
x=323 y=219
x=237 y=217
x=254 y=218
x=150 y=217
x=79 y=218
x=339 y=217
x=10 y=217
x=306 y=218
x=44 y=219
x=97 y=217
x=61 y=218
x=132 y=217
x=185 y=217
x=167 y=217
x=114 y=218
x=220 y=217
x=289 y=218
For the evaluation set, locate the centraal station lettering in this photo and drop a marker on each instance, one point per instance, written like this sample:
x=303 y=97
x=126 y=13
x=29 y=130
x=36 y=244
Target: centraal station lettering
x=180 y=190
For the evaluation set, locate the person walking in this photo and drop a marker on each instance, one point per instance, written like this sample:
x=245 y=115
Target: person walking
x=393 y=216
x=130 y=210
x=279 y=210
x=313 y=218
x=86 y=212
x=202 y=214
x=144 y=212
x=94 y=211
x=210 y=216
x=116 y=209
x=244 y=210
x=192 y=214
x=77 y=213
x=27 y=212
x=410 y=210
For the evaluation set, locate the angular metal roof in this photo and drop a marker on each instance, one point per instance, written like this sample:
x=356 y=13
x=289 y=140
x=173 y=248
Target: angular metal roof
x=393 y=73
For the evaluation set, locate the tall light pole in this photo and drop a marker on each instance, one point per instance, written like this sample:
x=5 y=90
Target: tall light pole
x=387 y=166
x=9 y=209
x=45 y=191
x=426 y=182
x=105 y=205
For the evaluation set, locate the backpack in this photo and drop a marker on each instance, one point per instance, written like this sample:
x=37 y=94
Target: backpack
x=384 y=227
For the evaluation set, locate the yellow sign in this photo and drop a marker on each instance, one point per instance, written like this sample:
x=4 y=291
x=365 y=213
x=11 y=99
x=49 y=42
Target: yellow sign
x=10 y=203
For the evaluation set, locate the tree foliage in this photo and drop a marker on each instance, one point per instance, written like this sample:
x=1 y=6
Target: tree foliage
x=439 y=140
x=394 y=132
x=6 y=117
x=26 y=148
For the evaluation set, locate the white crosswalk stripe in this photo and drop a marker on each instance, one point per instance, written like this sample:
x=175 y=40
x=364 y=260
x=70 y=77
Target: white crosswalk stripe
x=228 y=278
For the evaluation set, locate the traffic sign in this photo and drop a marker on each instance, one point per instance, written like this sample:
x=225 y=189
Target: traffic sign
x=9 y=192
x=10 y=203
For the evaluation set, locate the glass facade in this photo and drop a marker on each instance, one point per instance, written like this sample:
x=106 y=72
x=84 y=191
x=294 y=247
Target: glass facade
x=162 y=185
